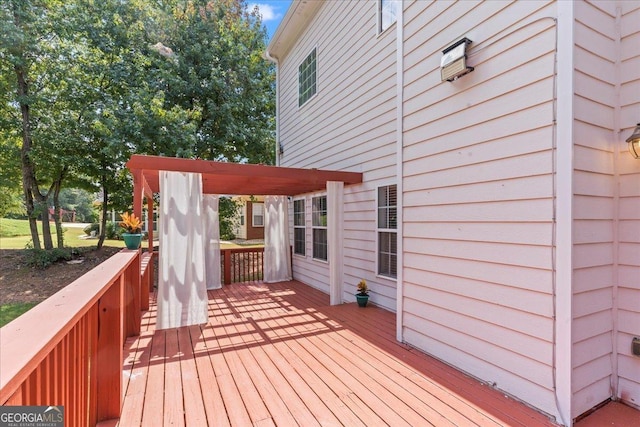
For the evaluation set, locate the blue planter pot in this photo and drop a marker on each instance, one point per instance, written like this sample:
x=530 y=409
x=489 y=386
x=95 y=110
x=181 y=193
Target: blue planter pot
x=362 y=300
x=132 y=241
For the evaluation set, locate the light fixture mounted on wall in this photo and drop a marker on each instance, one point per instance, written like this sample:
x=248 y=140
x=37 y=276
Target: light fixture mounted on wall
x=634 y=142
x=454 y=61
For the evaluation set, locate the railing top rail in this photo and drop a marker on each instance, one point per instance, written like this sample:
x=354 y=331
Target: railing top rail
x=26 y=341
x=243 y=250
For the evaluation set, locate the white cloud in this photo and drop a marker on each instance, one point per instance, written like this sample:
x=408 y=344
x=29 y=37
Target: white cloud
x=266 y=10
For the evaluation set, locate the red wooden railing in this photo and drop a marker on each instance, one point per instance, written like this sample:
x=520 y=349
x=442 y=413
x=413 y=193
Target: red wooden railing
x=68 y=349
x=242 y=265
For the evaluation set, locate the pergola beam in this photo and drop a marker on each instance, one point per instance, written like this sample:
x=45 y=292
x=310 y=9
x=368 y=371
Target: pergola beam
x=241 y=179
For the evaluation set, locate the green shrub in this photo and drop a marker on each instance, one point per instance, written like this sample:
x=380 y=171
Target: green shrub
x=40 y=258
x=113 y=231
x=92 y=227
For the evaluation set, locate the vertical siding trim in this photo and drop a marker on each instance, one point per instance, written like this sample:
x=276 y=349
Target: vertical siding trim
x=270 y=58
x=616 y=201
x=399 y=172
x=564 y=215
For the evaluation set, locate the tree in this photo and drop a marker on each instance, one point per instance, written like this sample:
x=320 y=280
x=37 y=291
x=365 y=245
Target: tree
x=86 y=83
x=216 y=72
x=25 y=58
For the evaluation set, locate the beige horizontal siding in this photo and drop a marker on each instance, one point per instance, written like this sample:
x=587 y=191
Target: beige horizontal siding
x=349 y=125
x=478 y=193
x=597 y=206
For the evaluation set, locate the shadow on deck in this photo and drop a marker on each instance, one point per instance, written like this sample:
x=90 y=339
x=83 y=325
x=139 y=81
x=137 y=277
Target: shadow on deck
x=278 y=354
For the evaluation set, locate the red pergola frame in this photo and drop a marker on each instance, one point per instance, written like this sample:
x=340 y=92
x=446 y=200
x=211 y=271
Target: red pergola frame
x=228 y=178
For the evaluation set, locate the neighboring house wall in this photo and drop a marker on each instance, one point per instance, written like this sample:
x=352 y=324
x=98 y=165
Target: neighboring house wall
x=356 y=77
x=478 y=193
x=240 y=229
x=628 y=227
x=253 y=232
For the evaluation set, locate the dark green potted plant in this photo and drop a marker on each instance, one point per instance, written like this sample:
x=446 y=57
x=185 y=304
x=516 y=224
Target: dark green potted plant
x=132 y=226
x=362 y=296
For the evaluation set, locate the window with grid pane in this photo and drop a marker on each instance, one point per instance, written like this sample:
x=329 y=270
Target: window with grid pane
x=307 y=78
x=387 y=234
x=319 y=226
x=299 y=230
x=258 y=214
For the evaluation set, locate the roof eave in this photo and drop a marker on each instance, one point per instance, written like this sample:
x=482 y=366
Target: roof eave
x=297 y=18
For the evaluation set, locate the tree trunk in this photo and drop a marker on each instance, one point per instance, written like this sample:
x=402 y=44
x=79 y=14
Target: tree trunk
x=29 y=183
x=105 y=212
x=46 y=226
x=57 y=186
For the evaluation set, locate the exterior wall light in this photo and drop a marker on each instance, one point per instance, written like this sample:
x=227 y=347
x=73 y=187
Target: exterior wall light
x=454 y=61
x=634 y=142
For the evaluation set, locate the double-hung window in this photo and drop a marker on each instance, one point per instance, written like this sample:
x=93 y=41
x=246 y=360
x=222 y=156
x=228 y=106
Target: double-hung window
x=258 y=214
x=307 y=78
x=387 y=231
x=387 y=13
x=319 y=226
x=299 y=229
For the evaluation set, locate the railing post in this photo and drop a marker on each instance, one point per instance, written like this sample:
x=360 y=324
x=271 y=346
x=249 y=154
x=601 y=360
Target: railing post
x=108 y=368
x=133 y=308
x=227 y=266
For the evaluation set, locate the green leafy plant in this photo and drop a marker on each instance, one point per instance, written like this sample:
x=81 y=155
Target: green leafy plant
x=91 y=227
x=130 y=223
x=362 y=288
x=40 y=258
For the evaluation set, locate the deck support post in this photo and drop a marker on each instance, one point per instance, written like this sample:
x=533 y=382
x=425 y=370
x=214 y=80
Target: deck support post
x=107 y=370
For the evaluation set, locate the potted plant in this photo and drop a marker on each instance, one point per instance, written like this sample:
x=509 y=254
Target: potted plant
x=132 y=234
x=362 y=296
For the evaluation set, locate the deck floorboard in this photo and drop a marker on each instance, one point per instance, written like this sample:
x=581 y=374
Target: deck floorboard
x=278 y=354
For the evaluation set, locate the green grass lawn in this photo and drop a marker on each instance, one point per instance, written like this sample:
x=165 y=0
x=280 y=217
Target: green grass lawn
x=15 y=234
x=8 y=312
x=14 y=227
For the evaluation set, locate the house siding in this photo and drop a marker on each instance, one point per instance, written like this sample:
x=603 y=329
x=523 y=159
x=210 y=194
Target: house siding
x=628 y=227
x=478 y=193
x=356 y=77
x=606 y=290
x=482 y=176
x=594 y=205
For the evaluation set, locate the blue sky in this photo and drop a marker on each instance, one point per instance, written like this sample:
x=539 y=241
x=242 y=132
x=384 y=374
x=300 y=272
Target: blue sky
x=272 y=12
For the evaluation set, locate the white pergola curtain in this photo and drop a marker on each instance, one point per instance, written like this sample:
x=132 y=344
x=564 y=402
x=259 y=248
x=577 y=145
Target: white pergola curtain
x=212 y=241
x=182 y=293
x=277 y=262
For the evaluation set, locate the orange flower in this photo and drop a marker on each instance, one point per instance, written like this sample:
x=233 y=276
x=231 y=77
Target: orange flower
x=130 y=223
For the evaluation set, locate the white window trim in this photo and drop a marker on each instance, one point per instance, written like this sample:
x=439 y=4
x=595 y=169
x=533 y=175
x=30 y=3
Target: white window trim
x=253 y=215
x=385 y=230
x=317 y=79
x=319 y=227
x=304 y=226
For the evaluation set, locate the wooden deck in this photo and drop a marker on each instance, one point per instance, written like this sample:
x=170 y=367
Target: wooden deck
x=278 y=354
